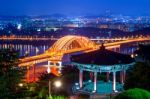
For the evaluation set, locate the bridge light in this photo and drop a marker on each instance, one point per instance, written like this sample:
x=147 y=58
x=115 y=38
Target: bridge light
x=48 y=69
x=37 y=50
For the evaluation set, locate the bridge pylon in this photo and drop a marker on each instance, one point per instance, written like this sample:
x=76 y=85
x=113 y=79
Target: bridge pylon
x=54 y=67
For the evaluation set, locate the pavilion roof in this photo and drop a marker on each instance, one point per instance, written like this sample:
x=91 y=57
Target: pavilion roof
x=102 y=56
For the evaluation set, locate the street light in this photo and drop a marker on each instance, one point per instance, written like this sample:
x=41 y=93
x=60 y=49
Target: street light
x=57 y=84
x=20 y=84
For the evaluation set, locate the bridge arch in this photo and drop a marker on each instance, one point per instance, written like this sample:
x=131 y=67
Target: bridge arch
x=71 y=42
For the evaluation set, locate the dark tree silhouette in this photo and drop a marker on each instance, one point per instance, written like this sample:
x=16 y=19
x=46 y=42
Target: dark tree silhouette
x=10 y=75
x=138 y=76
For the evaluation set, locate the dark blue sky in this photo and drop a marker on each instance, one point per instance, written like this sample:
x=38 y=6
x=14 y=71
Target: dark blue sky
x=74 y=7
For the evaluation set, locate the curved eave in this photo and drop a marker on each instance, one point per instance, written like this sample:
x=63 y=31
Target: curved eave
x=102 y=68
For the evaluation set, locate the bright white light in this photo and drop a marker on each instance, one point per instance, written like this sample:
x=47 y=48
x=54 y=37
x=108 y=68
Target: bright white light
x=76 y=84
x=132 y=55
x=94 y=91
x=38 y=30
x=19 y=26
x=59 y=71
x=77 y=88
x=48 y=69
x=90 y=81
x=58 y=84
x=37 y=50
x=21 y=84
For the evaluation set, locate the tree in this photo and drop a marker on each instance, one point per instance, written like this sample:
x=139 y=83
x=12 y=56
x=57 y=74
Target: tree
x=135 y=93
x=138 y=76
x=68 y=77
x=10 y=74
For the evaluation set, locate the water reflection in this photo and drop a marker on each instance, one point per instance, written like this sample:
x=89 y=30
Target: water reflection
x=32 y=49
x=29 y=49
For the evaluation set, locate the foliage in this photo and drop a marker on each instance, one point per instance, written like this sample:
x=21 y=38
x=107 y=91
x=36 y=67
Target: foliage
x=134 y=94
x=43 y=93
x=83 y=96
x=57 y=97
x=68 y=77
x=137 y=77
x=10 y=74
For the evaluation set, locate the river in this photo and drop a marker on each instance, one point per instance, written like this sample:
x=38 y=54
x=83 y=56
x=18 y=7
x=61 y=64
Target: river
x=32 y=48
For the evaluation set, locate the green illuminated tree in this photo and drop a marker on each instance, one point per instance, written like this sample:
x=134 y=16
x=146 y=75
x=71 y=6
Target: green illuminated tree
x=135 y=93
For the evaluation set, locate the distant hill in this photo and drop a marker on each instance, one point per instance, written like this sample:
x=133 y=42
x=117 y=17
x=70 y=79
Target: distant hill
x=90 y=32
x=144 y=31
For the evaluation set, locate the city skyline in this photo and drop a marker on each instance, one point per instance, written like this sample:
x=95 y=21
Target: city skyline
x=74 y=7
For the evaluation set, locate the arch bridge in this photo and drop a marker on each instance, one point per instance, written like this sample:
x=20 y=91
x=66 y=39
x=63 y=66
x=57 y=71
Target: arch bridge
x=65 y=45
x=70 y=44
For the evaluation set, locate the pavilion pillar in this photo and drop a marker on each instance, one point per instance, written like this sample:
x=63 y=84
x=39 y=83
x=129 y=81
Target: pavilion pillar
x=114 y=81
x=124 y=76
x=107 y=76
x=121 y=77
x=95 y=81
x=81 y=78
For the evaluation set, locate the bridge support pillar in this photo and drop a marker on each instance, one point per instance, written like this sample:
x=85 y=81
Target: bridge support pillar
x=55 y=64
x=81 y=78
x=28 y=74
x=34 y=72
x=49 y=68
x=60 y=67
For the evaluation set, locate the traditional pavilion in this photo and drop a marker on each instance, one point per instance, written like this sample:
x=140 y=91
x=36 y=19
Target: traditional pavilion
x=101 y=61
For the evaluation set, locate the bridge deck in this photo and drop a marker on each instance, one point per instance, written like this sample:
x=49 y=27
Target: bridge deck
x=52 y=55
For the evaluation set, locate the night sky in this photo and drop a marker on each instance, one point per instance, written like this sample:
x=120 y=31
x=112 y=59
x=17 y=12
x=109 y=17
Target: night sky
x=74 y=7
